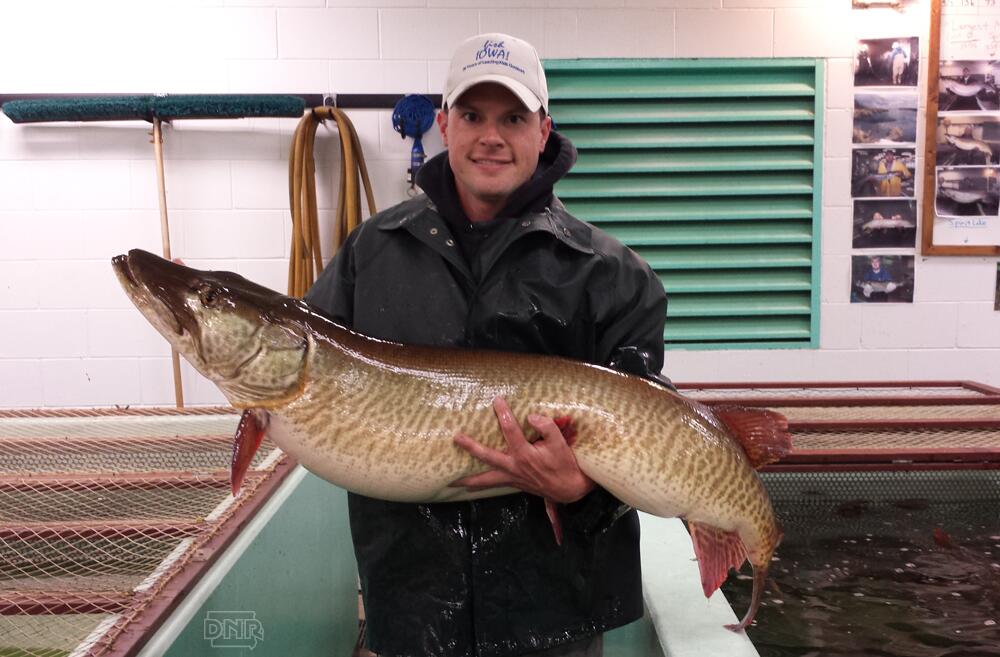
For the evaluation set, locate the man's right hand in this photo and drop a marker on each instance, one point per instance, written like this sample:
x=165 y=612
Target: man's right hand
x=546 y=467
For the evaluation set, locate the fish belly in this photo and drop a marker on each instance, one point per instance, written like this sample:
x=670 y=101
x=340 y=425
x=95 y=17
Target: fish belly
x=655 y=497
x=372 y=459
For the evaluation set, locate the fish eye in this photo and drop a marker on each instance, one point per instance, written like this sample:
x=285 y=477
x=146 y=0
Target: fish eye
x=208 y=294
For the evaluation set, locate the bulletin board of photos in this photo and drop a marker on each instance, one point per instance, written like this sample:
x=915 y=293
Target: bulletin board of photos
x=883 y=169
x=961 y=198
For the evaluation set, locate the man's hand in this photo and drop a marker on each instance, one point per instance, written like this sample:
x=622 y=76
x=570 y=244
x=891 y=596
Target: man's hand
x=546 y=468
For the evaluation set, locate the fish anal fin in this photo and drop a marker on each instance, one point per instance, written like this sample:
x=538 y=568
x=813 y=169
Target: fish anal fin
x=762 y=433
x=552 y=511
x=568 y=430
x=717 y=551
x=249 y=434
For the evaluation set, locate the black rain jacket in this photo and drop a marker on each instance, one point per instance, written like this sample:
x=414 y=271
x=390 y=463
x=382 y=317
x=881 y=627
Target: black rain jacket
x=485 y=578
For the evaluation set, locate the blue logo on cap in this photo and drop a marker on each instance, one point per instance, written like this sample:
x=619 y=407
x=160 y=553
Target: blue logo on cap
x=493 y=50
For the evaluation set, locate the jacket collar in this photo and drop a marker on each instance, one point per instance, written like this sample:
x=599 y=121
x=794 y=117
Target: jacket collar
x=554 y=219
x=570 y=231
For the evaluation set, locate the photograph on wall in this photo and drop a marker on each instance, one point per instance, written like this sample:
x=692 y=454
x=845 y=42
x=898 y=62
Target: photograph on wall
x=885 y=224
x=996 y=295
x=967 y=192
x=964 y=110
x=885 y=117
x=882 y=172
x=882 y=279
x=968 y=85
x=887 y=62
x=968 y=139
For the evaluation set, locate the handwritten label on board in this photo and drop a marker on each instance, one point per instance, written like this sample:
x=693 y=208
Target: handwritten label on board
x=955 y=6
x=970 y=36
x=970 y=29
x=969 y=6
x=971 y=222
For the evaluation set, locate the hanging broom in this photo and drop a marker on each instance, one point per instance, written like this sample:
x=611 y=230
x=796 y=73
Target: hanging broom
x=155 y=109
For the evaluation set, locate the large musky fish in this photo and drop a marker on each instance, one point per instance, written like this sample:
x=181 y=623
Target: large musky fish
x=959 y=89
x=963 y=196
x=884 y=287
x=879 y=222
x=967 y=144
x=379 y=418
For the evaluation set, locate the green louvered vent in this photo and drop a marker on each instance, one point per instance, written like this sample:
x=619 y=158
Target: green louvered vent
x=710 y=170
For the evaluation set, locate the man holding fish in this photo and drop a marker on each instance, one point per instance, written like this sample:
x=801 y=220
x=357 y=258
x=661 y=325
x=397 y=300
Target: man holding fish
x=489 y=258
x=518 y=538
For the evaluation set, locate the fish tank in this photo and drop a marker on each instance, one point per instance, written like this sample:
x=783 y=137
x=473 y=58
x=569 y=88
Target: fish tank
x=890 y=507
x=881 y=562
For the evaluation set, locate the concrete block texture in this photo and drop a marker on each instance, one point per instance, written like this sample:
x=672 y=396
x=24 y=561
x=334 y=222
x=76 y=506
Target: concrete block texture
x=72 y=195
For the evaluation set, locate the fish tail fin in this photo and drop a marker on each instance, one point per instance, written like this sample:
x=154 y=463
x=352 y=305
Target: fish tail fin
x=760 y=561
x=717 y=551
x=759 y=575
x=762 y=433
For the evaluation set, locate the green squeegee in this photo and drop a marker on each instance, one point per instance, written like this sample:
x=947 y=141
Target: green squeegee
x=150 y=107
x=155 y=109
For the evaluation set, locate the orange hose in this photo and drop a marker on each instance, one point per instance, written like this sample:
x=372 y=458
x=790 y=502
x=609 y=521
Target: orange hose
x=305 y=259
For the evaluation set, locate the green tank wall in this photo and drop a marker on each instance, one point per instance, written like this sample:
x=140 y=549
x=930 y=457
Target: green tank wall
x=288 y=586
x=635 y=640
x=298 y=580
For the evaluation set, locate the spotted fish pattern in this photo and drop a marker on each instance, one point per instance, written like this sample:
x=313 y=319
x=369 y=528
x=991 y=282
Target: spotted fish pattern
x=379 y=418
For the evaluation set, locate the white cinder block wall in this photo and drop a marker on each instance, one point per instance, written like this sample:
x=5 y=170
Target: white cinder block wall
x=74 y=195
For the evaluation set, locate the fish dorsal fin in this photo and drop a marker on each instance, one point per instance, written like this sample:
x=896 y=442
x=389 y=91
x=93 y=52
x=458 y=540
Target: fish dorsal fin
x=762 y=433
x=717 y=551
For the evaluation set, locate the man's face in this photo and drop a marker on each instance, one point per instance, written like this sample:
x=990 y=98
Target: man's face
x=493 y=144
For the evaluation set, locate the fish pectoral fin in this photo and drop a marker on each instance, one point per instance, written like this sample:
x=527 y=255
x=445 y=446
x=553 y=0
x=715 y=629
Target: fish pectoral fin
x=762 y=433
x=567 y=428
x=246 y=442
x=717 y=551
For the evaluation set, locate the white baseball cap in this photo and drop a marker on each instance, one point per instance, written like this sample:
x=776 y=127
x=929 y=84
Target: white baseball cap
x=499 y=58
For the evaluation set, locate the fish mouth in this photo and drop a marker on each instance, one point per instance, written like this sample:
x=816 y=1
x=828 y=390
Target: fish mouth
x=155 y=286
x=120 y=264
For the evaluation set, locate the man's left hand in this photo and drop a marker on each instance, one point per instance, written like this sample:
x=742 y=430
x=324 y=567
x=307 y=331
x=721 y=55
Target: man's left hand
x=546 y=467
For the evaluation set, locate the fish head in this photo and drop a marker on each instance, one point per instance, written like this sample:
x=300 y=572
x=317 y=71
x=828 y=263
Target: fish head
x=247 y=339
